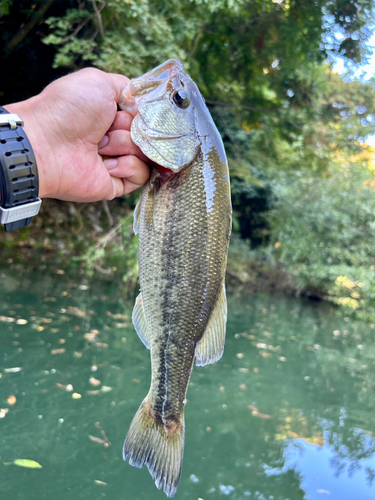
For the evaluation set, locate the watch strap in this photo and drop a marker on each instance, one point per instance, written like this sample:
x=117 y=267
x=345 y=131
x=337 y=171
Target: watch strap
x=19 y=182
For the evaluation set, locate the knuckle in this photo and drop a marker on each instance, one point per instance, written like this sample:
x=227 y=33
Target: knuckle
x=132 y=163
x=92 y=72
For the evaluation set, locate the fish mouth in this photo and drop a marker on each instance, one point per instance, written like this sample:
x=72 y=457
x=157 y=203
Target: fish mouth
x=154 y=80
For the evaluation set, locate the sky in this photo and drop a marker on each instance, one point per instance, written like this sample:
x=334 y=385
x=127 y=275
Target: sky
x=367 y=69
x=366 y=72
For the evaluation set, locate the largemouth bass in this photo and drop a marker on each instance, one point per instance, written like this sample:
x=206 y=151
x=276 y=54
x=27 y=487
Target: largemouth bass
x=184 y=222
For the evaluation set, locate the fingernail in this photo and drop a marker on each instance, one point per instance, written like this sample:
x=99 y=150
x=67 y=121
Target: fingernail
x=111 y=163
x=103 y=142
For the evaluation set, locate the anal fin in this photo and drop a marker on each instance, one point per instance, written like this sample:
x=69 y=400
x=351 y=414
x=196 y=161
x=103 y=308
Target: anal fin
x=140 y=321
x=210 y=348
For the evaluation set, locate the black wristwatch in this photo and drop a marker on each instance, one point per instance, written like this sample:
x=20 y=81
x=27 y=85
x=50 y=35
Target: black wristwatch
x=19 y=182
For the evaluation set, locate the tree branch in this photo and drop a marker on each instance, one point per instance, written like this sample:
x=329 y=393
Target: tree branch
x=36 y=18
x=99 y=17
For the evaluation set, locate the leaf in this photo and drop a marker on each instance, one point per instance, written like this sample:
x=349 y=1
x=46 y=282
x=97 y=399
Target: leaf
x=24 y=462
x=60 y=350
x=260 y=415
x=11 y=400
x=95 y=439
x=94 y=381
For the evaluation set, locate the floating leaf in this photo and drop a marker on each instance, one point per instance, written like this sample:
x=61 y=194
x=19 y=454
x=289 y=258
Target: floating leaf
x=117 y=316
x=90 y=337
x=6 y=319
x=260 y=415
x=265 y=354
x=24 y=462
x=60 y=350
x=243 y=370
x=95 y=439
x=11 y=400
x=3 y=412
x=94 y=381
x=101 y=344
x=106 y=388
x=76 y=311
x=253 y=408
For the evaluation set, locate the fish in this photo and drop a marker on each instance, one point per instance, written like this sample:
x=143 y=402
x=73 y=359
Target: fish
x=183 y=219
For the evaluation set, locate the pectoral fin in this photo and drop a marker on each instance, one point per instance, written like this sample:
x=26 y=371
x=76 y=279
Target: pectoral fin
x=137 y=217
x=140 y=322
x=211 y=346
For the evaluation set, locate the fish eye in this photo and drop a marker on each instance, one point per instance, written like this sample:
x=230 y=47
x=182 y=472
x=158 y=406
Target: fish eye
x=181 y=99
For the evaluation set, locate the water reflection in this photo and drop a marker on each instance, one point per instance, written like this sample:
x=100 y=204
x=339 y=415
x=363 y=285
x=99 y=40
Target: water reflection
x=288 y=413
x=328 y=470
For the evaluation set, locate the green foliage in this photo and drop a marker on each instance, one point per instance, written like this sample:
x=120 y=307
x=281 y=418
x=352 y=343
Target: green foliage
x=117 y=248
x=4 y=7
x=257 y=56
x=323 y=233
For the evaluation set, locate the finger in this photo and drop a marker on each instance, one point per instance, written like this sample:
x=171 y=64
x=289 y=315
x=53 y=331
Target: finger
x=123 y=121
x=118 y=82
x=119 y=144
x=129 y=174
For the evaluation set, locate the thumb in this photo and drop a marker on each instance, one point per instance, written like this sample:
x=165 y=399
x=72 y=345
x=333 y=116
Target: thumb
x=118 y=82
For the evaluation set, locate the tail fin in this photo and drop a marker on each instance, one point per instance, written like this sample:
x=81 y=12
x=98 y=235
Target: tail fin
x=160 y=447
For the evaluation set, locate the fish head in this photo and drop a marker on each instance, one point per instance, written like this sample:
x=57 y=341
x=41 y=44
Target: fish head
x=169 y=115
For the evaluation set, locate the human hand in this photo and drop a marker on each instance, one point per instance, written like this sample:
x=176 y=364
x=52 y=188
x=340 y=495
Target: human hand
x=81 y=142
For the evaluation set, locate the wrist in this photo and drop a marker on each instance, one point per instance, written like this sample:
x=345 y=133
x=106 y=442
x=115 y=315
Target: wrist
x=31 y=112
x=19 y=180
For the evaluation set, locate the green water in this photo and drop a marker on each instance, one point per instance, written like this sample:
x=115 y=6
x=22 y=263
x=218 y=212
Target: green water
x=288 y=413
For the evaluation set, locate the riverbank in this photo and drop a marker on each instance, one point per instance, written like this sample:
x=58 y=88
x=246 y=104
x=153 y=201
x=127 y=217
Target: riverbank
x=97 y=239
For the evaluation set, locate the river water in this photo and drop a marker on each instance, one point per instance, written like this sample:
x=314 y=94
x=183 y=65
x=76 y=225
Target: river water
x=287 y=413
